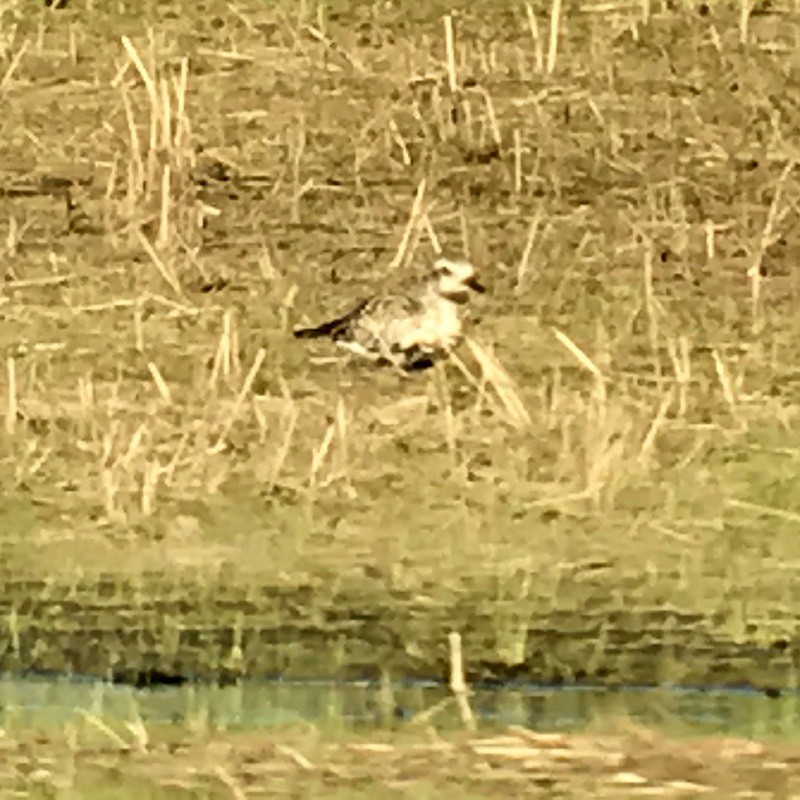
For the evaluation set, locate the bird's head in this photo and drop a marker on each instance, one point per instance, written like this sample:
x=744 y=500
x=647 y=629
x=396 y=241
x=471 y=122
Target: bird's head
x=455 y=277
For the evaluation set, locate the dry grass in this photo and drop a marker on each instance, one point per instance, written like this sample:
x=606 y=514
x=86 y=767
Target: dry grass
x=178 y=190
x=90 y=757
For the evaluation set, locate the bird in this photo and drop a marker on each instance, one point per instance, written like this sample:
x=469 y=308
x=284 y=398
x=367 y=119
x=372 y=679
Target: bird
x=411 y=327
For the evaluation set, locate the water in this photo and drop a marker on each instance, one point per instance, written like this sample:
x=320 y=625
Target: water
x=46 y=701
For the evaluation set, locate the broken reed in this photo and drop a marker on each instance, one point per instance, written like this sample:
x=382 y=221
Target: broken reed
x=157 y=180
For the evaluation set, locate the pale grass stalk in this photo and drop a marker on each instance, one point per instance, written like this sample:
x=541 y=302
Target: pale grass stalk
x=758 y=508
x=450 y=432
x=650 y=306
x=679 y=355
x=150 y=477
x=12 y=407
x=34 y=467
x=287 y=304
x=478 y=385
x=400 y=142
x=538 y=49
x=774 y=217
x=138 y=325
x=101 y=726
x=655 y=427
x=715 y=38
x=239 y=401
x=173 y=305
x=236 y=363
x=133 y=189
x=320 y=453
x=298 y=759
x=744 y=21
x=288 y=427
x=86 y=396
x=164 y=270
x=445 y=398
x=181 y=123
x=139 y=732
x=584 y=361
x=52 y=280
x=492 y=118
x=266 y=265
x=342 y=435
x=226 y=344
x=110 y=491
x=216 y=473
x=237 y=792
x=552 y=48
x=467 y=127
x=552 y=397
x=449 y=45
x=646 y=11
x=222 y=357
x=163 y=237
x=134 y=445
x=261 y=421
x=498 y=378
x=148 y=81
x=297 y=158
x=724 y=377
x=517 y=162
x=151 y=168
x=426 y=716
x=604 y=449
x=72 y=46
x=527 y=251
x=107 y=442
x=465 y=238
x=166 y=115
x=119 y=77
x=111 y=181
x=411 y=226
x=711 y=249
x=12 y=67
x=12 y=237
x=322 y=23
x=434 y=239
x=160 y=383
x=335 y=47
x=168 y=472
x=458 y=683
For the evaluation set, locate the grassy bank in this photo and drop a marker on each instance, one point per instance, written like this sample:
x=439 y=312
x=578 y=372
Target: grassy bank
x=182 y=187
x=91 y=757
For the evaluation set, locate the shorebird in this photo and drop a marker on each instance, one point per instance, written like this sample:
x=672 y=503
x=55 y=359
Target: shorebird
x=411 y=327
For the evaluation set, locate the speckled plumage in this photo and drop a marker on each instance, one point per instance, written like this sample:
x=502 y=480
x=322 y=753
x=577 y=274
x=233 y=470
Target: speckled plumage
x=410 y=327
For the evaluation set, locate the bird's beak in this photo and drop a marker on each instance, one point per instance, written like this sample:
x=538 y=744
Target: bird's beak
x=476 y=286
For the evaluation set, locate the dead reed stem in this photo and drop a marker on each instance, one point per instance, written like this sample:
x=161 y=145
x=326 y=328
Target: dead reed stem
x=774 y=217
x=449 y=44
x=533 y=25
x=240 y=398
x=458 y=683
x=11 y=397
x=584 y=361
x=412 y=225
x=555 y=23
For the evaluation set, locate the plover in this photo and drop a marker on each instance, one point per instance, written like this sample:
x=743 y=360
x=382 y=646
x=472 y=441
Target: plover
x=411 y=327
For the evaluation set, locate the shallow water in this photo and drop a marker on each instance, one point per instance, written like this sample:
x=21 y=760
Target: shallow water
x=43 y=701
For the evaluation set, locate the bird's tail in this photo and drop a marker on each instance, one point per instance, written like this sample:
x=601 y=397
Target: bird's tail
x=332 y=327
x=326 y=329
